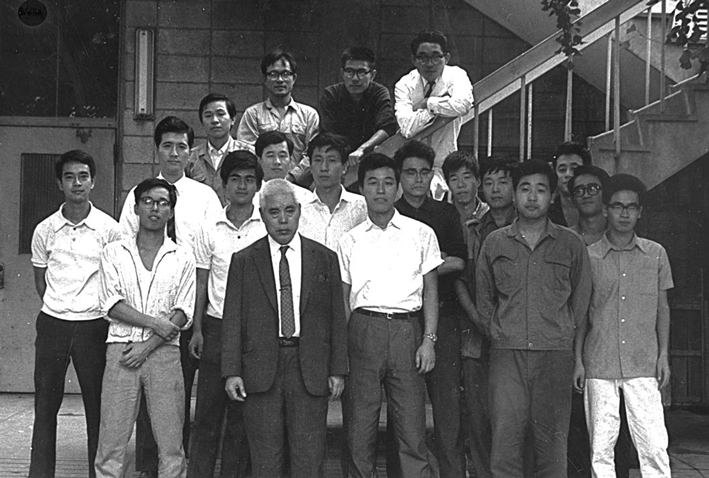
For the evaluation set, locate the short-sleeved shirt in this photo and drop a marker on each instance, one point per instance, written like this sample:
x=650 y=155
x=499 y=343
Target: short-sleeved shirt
x=168 y=287
x=443 y=218
x=70 y=253
x=196 y=203
x=533 y=299
x=622 y=338
x=385 y=267
x=319 y=224
x=357 y=120
x=214 y=245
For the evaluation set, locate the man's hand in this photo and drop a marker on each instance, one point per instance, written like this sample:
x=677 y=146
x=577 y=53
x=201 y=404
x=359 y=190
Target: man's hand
x=663 y=370
x=421 y=104
x=579 y=376
x=354 y=158
x=235 y=388
x=166 y=329
x=425 y=356
x=135 y=354
x=336 y=383
x=196 y=343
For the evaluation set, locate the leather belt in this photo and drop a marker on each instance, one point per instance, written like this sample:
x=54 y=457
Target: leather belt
x=291 y=342
x=389 y=315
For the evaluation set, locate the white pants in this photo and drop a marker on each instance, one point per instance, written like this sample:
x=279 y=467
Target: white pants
x=646 y=421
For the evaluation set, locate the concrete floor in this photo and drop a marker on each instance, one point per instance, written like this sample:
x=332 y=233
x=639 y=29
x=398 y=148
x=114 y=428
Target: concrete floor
x=689 y=440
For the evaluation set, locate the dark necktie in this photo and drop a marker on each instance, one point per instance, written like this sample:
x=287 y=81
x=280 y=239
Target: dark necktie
x=429 y=88
x=287 y=316
x=171 y=228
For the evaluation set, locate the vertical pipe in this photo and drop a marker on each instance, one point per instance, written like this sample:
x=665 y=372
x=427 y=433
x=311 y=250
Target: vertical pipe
x=489 y=132
x=568 y=115
x=662 y=57
x=530 y=97
x=476 y=131
x=522 y=116
x=648 y=56
x=609 y=75
x=616 y=89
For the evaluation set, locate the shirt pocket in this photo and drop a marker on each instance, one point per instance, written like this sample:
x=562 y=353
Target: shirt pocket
x=559 y=267
x=506 y=269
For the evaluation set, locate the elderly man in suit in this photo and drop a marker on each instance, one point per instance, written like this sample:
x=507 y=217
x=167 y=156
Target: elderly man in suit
x=284 y=348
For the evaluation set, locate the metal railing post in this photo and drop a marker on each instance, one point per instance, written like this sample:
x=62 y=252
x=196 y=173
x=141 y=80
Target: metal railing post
x=476 y=131
x=568 y=115
x=609 y=76
x=489 y=132
x=648 y=56
x=530 y=96
x=522 y=115
x=662 y=57
x=616 y=88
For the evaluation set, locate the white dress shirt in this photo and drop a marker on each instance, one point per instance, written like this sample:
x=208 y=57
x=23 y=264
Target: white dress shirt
x=325 y=227
x=294 y=254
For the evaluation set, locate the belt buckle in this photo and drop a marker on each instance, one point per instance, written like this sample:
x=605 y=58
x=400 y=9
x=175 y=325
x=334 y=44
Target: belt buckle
x=389 y=315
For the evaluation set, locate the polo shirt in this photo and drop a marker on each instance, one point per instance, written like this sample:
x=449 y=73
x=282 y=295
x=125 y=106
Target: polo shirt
x=622 y=338
x=533 y=299
x=170 y=286
x=319 y=224
x=214 y=245
x=70 y=254
x=385 y=267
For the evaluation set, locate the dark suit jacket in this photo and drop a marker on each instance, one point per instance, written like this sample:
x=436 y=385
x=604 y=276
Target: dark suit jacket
x=250 y=320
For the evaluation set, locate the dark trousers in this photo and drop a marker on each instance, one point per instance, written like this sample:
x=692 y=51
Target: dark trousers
x=530 y=390
x=146 y=450
x=443 y=386
x=286 y=409
x=58 y=343
x=476 y=413
x=212 y=406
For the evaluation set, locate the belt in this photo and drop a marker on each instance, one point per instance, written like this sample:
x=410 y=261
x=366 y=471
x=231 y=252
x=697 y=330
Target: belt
x=389 y=315
x=291 y=342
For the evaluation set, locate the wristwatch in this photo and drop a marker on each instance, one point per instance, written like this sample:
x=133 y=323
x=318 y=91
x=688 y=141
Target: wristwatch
x=432 y=337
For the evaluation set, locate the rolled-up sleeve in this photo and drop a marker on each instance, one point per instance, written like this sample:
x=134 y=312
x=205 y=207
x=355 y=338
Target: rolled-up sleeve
x=186 y=290
x=110 y=290
x=457 y=100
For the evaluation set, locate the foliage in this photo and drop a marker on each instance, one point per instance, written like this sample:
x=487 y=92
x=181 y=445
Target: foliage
x=687 y=32
x=566 y=11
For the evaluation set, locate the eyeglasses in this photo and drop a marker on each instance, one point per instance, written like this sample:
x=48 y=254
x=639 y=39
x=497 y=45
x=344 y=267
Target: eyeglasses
x=413 y=173
x=619 y=207
x=283 y=75
x=148 y=202
x=591 y=189
x=437 y=58
x=351 y=72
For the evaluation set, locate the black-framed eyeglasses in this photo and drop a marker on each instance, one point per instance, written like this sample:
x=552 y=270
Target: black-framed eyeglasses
x=436 y=58
x=275 y=75
x=351 y=72
x=619 y=207
x=591 y=189
x=147 y=201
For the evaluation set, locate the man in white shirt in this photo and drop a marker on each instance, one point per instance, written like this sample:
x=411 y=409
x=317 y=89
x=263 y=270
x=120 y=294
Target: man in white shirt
x=66 y=248
x=217 y=113
x=198 y=203
x=331 y=210
x=275 y=155
x=147 y=292
x=433 y=89
x=238 y=226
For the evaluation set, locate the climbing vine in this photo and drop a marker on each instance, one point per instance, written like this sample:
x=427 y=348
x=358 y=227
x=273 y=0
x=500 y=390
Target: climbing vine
x=566 y=12
x=687 y=32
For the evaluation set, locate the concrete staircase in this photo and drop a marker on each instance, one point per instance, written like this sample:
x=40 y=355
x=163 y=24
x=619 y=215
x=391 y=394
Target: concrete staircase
x=656 y=145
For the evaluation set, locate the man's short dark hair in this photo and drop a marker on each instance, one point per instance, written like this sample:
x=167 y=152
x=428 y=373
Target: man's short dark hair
x=358 y=53
x=272 y=137
x=372 y=161
x=74 y=156
x=414 y=149
x=211 y=98
x=173 y=124
x=460 y=159
x=152 y=183
x=241 y=161
x=589 y=170
x=531 y=167
x=276 y=55
x=573 y=147
x=331 y=141
x=429 y=36
x=624 y=182
x=498 y=163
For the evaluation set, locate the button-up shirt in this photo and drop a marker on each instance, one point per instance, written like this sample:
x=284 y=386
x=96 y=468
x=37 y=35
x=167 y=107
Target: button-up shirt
x=294 y=254
x=202 y=167
x=196 y=203
x=533 y=299
x=214 y=245
x=385 y=267
x=70 y=254
x=168 y=287
x=622 y=338
x=319 y=224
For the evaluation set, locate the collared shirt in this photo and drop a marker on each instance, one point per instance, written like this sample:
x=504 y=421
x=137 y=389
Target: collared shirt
x=168 y=287
x=385 y=267
x=319 y=224
x=444 y=220
x=533 y=299
x=622 y=336
x=196 y=203
x=300 y=123
x=294 y=254
x=70 y=254
x=214 y=245
x=357 y=120
x=201 y=165
x=452 y=96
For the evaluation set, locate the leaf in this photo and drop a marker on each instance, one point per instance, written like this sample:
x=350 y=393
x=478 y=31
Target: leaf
x=685 y=60
x=631 y=28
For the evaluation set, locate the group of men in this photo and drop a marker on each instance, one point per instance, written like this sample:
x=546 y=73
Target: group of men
x=286 y=298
